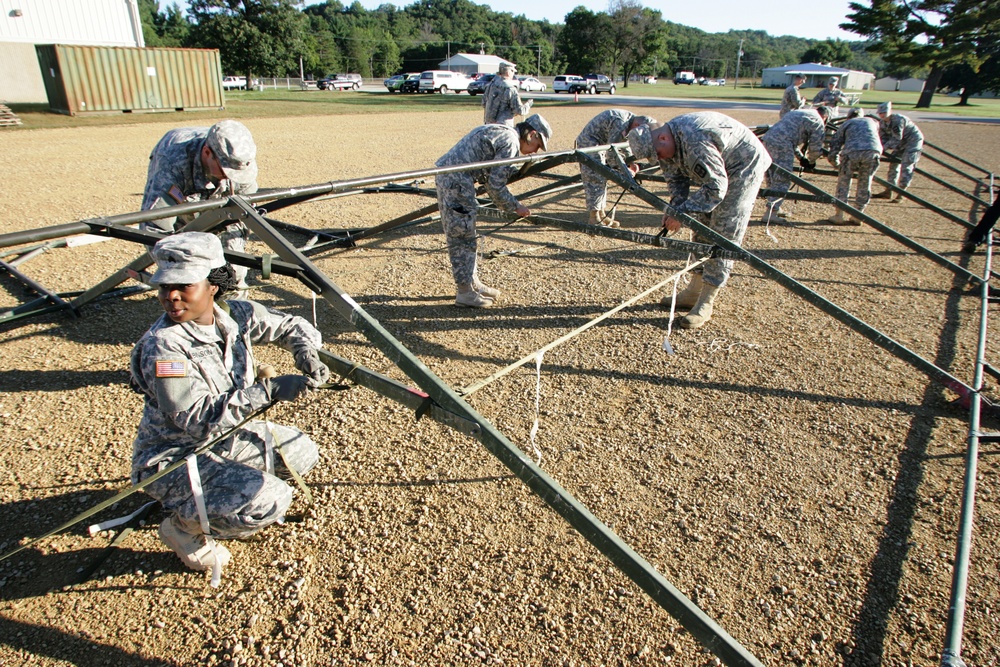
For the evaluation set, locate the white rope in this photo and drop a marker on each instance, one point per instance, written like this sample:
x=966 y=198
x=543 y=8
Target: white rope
x=538 y=393
x=719 y=345
x=314 y=309
x=562 y=339
x=199 y=502
x=94 y=529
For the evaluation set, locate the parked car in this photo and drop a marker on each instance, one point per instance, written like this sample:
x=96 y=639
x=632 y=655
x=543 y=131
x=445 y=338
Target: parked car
x=352 y=77
x=530 y=84
x=708 y=82
x=443 y=81
x=684 y=77
x=337 y=82
x=394 y=83
x=562 y=82
x=411 y=85
x=593 y=84
x=478 y=85
x=649 y=79
x=234 y=82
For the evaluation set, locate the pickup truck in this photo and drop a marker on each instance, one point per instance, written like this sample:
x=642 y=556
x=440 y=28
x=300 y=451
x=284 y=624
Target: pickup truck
x=337 y=83
x=234 y=82
x=594 y=84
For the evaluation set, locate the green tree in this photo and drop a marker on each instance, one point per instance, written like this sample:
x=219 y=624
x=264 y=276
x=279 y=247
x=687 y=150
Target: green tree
x=584 y=40
x=636 y=35
x=167 y=28
x=926 y=33
x=827 y=51
x=263 y=37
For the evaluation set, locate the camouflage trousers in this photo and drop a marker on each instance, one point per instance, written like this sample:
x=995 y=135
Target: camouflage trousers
x=241 y=497
x=901 y=173
x=457 y=203
x=865 y=163
x=595 y=186
x=731 y=216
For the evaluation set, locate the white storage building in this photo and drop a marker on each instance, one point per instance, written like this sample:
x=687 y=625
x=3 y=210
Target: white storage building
x=471 y=63
x=817 y=74
x=25 y=23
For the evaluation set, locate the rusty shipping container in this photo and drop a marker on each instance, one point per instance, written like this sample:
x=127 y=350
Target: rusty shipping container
x=102 y=79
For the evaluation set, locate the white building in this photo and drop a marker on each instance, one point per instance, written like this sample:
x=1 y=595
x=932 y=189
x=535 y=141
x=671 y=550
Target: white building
x=817 y=75
x=471 y=63
x=25 y=23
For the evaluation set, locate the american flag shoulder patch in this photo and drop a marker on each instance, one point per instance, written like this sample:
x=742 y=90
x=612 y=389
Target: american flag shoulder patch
x=171 y=369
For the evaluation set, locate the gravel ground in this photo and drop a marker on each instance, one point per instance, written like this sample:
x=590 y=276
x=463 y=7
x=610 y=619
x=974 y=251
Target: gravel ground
x=797 y=482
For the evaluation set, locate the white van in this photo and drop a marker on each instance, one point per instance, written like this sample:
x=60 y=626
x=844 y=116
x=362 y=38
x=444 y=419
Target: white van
x=441 y=81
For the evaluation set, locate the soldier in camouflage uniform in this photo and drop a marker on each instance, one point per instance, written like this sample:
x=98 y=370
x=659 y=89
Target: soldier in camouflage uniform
x=724 y=158
x=607 y=127
x=195 y=369
x=793 y=99
x=784 y=141
x=855 y=148
x=195 y=163
x=900 y=135
x=501 y=101
x=456 y=193
x=831 y=96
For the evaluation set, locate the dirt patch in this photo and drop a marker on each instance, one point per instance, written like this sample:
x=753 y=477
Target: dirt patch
x=796 y=481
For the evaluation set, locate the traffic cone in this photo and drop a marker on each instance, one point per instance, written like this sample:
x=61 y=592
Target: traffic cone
x=576 y=97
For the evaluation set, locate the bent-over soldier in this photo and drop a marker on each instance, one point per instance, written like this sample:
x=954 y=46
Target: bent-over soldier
x=726 y=162
x=903 y=138
x=608 y=127
x=855 y=148
x=800 y=132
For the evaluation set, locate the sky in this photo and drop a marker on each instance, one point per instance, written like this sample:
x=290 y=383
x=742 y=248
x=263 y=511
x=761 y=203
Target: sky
x=813 y=19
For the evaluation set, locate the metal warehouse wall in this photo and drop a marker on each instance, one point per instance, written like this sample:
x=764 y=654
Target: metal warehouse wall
x=89 y=79
x=94 y=22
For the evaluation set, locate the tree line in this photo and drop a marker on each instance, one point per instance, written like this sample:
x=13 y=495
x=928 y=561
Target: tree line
x=277 y=37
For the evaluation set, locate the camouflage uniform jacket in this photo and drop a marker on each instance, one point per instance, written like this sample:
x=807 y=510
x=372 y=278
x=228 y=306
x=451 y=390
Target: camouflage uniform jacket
x=488 y=142
x=607 y=127
x=175 y=173
x=708 y=147
x=803 y=127
x=502 y=102
x=831 y=98
x=898 y=132
x=855 y=136
x=197 y=385
x=791 y=101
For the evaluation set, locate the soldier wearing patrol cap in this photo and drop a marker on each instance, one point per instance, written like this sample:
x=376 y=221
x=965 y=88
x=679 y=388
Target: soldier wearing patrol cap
x=195 y=163
x=607 y=127
x=456 y=194
x=792 y=98
x=902 y=139
x=501 y=101
x=831 y=96
x=195 y=369
x=726 y=162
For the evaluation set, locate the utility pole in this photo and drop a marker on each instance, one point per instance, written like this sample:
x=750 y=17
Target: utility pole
x=739 y=54
x=538 y=70
x=449 y=55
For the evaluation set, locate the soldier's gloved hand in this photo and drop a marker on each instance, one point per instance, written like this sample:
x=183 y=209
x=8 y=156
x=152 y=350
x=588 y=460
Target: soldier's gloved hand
x=307 y=360
x=286 y=387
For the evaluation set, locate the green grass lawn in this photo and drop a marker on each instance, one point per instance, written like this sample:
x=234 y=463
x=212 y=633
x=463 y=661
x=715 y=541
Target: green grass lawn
x=281 y=103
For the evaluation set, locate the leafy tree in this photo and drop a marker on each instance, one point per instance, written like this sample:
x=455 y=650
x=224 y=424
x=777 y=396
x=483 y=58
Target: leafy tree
x=828 y=51
x=253 y=36
x=162 y=28
x=931 y=33
x=636 y=35
x=584 y=40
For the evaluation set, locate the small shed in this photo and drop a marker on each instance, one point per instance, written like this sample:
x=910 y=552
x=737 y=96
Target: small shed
x=94 y=79
x=887 y=83
x=911 y=85
x=471 y=63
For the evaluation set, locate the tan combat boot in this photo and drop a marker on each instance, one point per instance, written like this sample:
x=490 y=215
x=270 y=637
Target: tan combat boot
x=194 y=550
x=687 y=297
x=484 y=289
x=702 y=311
x=594 y=218
x=837 y=218
x=885 y=194
x=470 y=298
x=608 y=220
